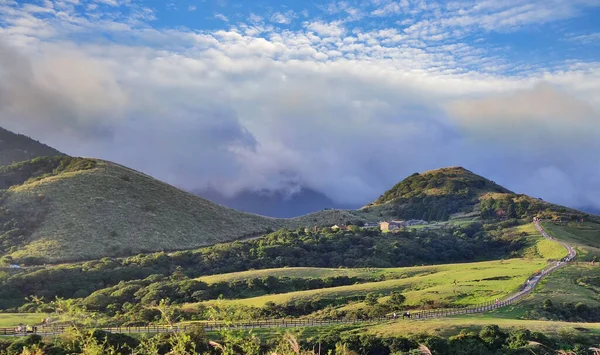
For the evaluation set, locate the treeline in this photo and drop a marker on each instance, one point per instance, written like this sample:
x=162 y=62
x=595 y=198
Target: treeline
x=178 y=289
x=490 y=340
x=359 y=248
x=566 y=311
x=521 y=206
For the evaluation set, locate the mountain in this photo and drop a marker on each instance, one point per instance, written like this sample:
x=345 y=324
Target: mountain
x=65 y=209
x=17 y=147
x=279 y=204
x=439 y=194
x=56 y=209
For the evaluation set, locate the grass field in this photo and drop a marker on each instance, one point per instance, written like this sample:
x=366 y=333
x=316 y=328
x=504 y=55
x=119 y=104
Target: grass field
x=560 y=286
x=476 y=283
x=314 y=272
x=585 y=237
x=8 y=320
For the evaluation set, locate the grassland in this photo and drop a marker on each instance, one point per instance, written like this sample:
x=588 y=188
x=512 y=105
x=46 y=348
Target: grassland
x=8 y=320
x=111 y=210
x=314 y=272
x=585 y=237
x=562 y=285
x=476 y=283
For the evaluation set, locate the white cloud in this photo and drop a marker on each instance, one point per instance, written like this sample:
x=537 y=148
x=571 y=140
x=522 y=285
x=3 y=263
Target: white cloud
x=333 y=29
x=108 y=2
x=254 y=18
x=191 y=8
x=222 y=17
x=284 y=19
x=588 y=38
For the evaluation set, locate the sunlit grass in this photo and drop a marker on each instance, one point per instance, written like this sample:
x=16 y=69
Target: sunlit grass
x=476 y=283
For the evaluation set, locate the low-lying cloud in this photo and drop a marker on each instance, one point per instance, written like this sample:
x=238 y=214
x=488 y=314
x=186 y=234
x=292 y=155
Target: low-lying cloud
x=234 y=111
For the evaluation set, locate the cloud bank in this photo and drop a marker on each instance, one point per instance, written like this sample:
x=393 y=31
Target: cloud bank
x=335 y=107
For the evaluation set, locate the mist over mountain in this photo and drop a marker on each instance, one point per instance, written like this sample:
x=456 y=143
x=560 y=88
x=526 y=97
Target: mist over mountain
x=275 y=203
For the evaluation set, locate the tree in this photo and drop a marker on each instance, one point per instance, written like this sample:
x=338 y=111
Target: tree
x=169 y=313
x=547 y=305
x=492 y=336
x=511 y=212
x=371 y=299
x=396 y=300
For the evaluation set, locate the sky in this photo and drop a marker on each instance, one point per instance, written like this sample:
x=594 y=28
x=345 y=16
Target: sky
x=344 y=97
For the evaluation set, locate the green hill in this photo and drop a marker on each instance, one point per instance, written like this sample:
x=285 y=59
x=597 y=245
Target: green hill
x=65 y=209
x=17 y=147
x=441 y=194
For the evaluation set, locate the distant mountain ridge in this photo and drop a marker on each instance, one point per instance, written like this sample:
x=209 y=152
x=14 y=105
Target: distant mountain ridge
x=277 y=204
x=17 y=147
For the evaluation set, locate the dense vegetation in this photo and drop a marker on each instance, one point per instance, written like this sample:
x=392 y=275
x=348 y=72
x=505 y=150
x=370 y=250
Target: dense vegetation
x=17 y=147
x=435 y=195
x=566 y=311
x=446 y=181
x=358 y=248
x=490 y=340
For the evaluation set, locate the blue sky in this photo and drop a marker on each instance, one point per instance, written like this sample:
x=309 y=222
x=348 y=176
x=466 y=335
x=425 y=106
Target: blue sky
x=346 y=97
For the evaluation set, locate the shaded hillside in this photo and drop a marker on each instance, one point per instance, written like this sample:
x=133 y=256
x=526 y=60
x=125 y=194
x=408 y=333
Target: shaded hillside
x=17 y=147
x=62 y=208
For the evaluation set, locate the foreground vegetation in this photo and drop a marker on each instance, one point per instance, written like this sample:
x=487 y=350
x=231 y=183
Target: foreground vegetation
x=490 y=339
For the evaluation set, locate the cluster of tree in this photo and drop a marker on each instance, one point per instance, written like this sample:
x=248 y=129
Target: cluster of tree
x=566 y=311
x=521 y=206
x=432 y=208
x=507 y=208
x=490 y=340
x=358 y=248
x=132 y=296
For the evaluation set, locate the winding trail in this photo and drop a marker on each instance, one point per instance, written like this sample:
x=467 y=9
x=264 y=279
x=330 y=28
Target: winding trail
x=526 y=289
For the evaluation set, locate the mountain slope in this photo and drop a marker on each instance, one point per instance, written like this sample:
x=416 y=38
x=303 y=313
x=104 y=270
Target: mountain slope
x=438 y=194
x=63 y=209
x=17 y=147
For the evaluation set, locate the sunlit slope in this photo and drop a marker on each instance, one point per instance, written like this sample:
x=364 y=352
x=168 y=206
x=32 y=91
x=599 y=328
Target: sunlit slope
x=63 y=209
x=476 y=282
